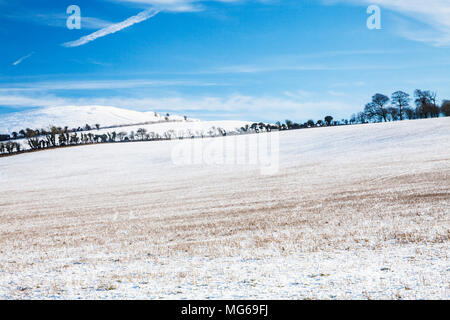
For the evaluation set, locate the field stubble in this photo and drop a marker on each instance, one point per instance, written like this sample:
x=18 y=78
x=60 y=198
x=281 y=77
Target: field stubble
x=354 y=212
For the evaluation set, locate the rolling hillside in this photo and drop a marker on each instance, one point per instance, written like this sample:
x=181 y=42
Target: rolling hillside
x=353 y=212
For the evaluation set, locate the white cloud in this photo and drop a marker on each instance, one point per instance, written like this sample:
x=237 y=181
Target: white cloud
x=173 y=5
x=296 y=67
x=99 y=85
x=92 y=23
x=433 y=13
x=53 y=19
x=59 y=20
x=422 y=32
x=22 y=59
x=29 y=101
x=144 y=15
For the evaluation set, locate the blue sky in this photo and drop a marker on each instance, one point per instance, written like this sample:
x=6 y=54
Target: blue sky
x=263 y=60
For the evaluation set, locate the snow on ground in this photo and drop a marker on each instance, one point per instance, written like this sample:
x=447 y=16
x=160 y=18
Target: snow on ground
x=77 y=116
x=353 y=212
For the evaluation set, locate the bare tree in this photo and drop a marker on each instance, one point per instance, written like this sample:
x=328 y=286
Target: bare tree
x=328 y=120
x=426 y=104
x=51 y=136
x=400 y=100
x=141 y=132
x=409 y=113
x=361 y=117
x=9 y=147
x=376 y=110
x=121 y=135
x=288 y=123
x=445 y=108
x=32 y=138
x=74 y=139
x=310 y=123
x=112 y=136
x=393 y=114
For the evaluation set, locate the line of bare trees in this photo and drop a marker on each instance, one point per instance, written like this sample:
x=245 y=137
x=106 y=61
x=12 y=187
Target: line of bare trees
x=56 y=137
x=383 y=109
x=10 y=147
x=398 y=107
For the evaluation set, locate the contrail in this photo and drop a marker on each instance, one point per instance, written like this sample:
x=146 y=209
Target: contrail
x=23 y=58
x=144 y=15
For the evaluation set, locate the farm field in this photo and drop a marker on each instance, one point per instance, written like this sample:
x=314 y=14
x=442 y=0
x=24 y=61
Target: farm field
x=353 y=212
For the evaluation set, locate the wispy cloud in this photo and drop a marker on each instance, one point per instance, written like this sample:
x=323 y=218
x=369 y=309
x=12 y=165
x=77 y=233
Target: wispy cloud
x=56 y=20
x=144 y=15
x=248 y=69
x=101 y=85
x=314 y=61
x=175 y=5
x=86 y=22
x=22 y=59
x=433 y=13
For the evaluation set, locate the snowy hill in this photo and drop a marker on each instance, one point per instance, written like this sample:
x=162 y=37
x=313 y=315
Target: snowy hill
x=77 y=116
x=115 y=120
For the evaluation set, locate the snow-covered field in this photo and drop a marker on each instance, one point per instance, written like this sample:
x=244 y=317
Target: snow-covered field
x=353 y=212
